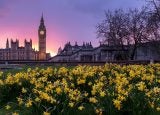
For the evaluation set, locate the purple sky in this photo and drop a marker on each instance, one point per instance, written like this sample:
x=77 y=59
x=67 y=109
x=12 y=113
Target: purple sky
x=66 y=20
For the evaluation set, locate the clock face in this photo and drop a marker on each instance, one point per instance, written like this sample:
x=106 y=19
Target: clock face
x=42 y=32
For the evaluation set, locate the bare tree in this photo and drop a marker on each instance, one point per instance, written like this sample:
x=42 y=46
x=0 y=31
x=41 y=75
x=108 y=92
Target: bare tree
x=153 y=24
x=132 y=28
x=113 y=28
x=154 y=7
x=154 y=20
x=137 y=29
x=124 y=28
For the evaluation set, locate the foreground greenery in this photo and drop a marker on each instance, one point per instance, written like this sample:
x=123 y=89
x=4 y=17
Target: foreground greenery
x=83 y=90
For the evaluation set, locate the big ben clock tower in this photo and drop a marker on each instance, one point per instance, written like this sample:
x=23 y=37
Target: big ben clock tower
x=42 y=40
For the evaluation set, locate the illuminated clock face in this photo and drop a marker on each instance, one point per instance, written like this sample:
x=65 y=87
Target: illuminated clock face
x=42 y=32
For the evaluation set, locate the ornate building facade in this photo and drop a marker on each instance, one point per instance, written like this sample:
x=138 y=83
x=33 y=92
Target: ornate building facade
x=14 y=52
x=104 y=52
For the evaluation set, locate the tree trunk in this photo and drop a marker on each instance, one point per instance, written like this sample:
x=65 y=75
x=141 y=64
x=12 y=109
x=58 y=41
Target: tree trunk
x=133 y=52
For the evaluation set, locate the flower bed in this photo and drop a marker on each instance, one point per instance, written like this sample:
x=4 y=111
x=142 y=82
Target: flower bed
x=109 y=89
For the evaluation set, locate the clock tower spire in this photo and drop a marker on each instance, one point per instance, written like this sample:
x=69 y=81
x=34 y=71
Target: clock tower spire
x=42 y=40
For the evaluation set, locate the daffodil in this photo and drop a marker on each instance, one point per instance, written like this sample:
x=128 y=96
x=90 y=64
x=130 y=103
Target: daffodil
x=141 y=86
x=81 y=107
x=37 y=99
x=7 y=107
x=29 y=103
x=71 y=104
x=46 y=113
x=158 y=108
x=58 y=90
x=15 y=113
x=24 y=90
x=102 y=93
x=117 y=104
x=20 y=100
x=93 y=100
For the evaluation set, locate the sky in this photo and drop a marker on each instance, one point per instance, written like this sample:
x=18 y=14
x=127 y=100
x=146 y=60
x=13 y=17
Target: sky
x=65 y=20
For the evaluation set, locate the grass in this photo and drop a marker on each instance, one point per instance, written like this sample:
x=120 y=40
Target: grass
x=15 y=108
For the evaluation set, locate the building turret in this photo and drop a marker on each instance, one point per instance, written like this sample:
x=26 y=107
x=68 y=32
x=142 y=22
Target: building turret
x=28 y=45
x=84 y=46
x=31 y=41
x=7 y=44
x=42 y=20
x=14 y=45
x=76 y=44
x=90 y=45
x=59 y=50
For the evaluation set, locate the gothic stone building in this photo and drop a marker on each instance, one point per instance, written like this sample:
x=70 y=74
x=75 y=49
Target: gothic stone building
x=88 y=53
x=14 y=52
x=85 y=52
x=74 y=53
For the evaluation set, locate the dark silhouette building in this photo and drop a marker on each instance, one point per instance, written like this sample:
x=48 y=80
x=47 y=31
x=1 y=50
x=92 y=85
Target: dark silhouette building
x=14 y=52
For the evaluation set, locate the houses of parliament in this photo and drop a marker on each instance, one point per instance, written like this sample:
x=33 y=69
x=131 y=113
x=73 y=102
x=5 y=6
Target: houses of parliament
x=14 y=52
